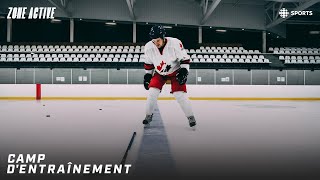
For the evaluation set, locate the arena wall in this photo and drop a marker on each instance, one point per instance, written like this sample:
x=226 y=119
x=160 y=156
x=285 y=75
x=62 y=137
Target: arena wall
x=137 y=92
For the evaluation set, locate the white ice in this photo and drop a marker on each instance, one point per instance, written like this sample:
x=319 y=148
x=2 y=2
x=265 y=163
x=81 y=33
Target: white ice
x=229 y=133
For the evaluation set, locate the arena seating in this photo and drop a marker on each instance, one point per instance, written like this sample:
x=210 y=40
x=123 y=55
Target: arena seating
x=297 y=55
x=71 y=48
x=226 y=55
x=90 y=53
x=294 y=50
x=300 y=59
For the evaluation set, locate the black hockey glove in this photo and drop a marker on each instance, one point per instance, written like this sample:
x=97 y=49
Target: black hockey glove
x=146 y=81
x=182 y=76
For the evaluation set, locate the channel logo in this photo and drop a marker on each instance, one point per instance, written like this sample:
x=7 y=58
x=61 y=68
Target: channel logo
x=285 y=13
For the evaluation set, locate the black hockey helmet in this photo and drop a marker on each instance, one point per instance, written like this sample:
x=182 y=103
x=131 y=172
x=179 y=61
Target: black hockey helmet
x=157 y=31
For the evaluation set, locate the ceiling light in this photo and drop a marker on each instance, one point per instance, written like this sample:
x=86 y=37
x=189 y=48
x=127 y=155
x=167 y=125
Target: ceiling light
x=314 y=32
x=221 y=30
x=111 y=23
x=55 y=20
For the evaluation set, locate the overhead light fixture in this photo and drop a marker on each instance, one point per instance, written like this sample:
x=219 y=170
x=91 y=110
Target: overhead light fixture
x=167 y=27
x=221 y=30
x=314 y=32
x=111 y=23
x=55 y=20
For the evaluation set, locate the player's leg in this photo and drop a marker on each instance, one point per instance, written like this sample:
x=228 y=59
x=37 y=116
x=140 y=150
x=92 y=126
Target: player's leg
x=155 y=87
x=185 y=105
x=180 y=93
x=152 y=97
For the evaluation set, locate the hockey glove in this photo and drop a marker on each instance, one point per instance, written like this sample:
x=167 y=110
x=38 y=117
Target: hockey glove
x=182 y=76
x=146 y=81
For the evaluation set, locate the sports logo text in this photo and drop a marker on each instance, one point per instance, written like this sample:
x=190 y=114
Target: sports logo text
x=32 y=13
x=285 y=13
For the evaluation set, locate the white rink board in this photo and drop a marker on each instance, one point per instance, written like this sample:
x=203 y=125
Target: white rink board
x=54 y=90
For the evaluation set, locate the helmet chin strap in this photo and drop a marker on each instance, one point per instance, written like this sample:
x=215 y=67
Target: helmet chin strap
x=164 y=41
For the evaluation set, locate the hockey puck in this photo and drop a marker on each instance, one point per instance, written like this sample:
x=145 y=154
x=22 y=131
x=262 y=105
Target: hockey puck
x=44 y=105
x=47 y=115
x=100 y=109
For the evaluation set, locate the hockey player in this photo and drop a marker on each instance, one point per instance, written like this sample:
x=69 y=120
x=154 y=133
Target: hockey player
x=166 y=59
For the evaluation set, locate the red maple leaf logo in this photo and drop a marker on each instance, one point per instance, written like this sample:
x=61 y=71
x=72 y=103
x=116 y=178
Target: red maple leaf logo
x=161 y=66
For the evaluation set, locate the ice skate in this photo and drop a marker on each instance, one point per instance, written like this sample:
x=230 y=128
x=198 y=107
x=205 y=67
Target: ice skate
x=192 y=121
x=147 y=119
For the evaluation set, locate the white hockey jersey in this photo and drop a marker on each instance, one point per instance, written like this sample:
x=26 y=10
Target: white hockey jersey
x=169 y=60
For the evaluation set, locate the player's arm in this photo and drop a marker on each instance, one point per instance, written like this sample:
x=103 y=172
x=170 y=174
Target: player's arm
x=184 y=59
x=149 y=68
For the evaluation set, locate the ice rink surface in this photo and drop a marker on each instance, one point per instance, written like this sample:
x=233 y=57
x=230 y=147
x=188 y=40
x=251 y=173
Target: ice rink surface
x=232 y=137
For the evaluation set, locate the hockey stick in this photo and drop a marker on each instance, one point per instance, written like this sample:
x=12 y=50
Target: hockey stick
x=123 y=161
